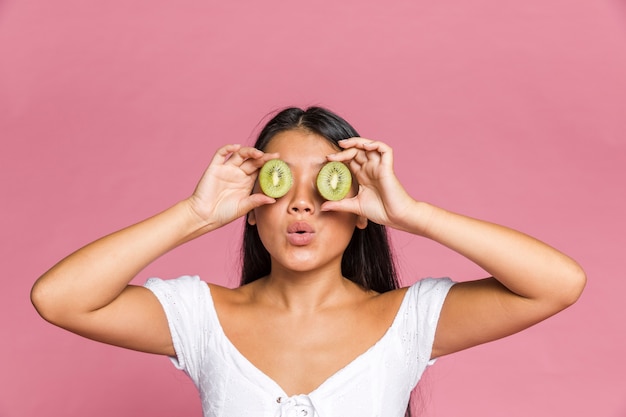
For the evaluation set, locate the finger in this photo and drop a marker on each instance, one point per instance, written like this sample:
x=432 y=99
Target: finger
x=255 y=200
x=352 y=142
x=365 y=144
x=243 y=154
x=356 y=158
x=223 y=153
x=250 y=159
x=349 y=157
x=251 y=166
x=354 y=166
x=343 y=156
x=381 y=149
x=373 y=157
x=361 y=158
x=254 y=163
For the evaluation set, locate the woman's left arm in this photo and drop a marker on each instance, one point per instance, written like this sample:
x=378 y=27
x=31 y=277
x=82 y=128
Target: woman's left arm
x=530 y=281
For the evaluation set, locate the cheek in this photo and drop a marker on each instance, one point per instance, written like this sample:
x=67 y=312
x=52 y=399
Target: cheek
x=266 y=219
x=342 y=224
x=265 y=235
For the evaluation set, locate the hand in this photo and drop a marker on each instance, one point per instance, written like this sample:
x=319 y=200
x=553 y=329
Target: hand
x=223 y=193
x=381 y=198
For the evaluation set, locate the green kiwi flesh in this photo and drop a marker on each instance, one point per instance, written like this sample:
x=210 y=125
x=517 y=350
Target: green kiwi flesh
x=275 y=178
x=334 y=181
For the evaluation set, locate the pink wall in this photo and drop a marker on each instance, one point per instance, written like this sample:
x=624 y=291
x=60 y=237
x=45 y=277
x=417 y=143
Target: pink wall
x=510 y=111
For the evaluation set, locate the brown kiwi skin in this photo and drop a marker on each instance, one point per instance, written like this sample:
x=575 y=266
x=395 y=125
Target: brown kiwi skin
x=346 y=176
x=267 y=185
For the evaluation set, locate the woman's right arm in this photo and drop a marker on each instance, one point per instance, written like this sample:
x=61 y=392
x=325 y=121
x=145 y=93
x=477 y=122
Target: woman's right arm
x=88 y=292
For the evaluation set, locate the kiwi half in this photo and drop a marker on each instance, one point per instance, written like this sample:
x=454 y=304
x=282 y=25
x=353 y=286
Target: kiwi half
x=334 y=181
x=275 y=178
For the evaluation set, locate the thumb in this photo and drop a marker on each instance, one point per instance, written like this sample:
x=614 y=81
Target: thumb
x=253 y=201
x=350 y=205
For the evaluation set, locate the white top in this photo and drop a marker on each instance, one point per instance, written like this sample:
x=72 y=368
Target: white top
x=377 y=383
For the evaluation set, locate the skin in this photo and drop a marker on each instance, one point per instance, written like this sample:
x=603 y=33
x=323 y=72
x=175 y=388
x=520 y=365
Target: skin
x=304 y=321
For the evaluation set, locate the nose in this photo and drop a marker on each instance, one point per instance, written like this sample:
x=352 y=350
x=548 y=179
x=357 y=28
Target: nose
x=302 y=197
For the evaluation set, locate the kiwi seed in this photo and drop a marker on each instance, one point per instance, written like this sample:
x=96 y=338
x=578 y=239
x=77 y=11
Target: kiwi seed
x=334 y=181
x=275 y=178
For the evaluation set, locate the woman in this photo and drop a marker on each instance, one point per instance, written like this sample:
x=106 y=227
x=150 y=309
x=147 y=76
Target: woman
x=319 y=326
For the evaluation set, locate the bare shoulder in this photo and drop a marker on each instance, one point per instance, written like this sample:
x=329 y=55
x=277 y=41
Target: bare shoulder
x=237 y=296
x=387 y=304
x=220 y=291
x=235 y=306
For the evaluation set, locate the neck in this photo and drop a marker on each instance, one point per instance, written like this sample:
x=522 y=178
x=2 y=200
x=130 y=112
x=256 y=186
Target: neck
x=307 y=291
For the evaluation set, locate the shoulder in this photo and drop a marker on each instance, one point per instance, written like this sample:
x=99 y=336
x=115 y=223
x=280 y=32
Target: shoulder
x=175 y=284
x=390 y=300
x=167 y=290
x=431 y=287
x=422 y=303
x=190 y=285
x=231 y=302
x=423 y=289
x=427 y=296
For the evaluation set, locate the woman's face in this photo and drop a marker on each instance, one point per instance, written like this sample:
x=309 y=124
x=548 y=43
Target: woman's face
x=296 y=233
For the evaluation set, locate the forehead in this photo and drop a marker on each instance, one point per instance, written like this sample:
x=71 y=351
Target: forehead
x=300 y=144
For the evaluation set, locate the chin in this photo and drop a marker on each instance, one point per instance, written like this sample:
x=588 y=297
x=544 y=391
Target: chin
x=304 y=265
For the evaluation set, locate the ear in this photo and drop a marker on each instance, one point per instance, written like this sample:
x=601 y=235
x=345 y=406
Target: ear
x=251 y=218
x=361 y=222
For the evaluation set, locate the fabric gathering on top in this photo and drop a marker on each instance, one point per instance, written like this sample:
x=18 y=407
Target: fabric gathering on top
x=377 y=383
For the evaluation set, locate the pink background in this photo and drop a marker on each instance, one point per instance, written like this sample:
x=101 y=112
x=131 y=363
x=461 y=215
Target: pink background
x=509 y=111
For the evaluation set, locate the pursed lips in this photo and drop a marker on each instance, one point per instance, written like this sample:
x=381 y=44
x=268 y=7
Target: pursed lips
x=300 y=233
